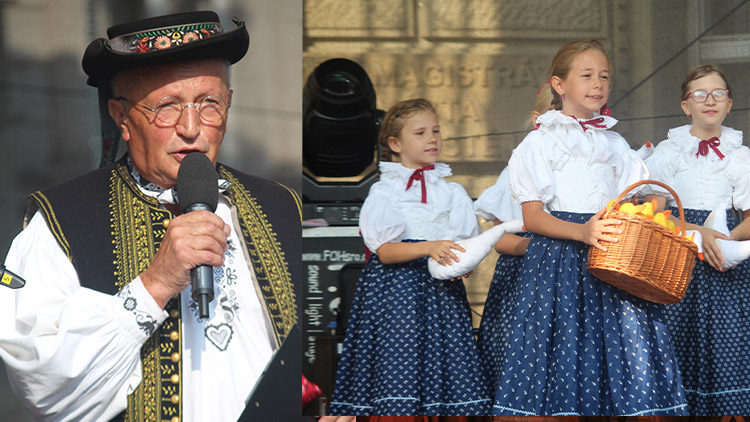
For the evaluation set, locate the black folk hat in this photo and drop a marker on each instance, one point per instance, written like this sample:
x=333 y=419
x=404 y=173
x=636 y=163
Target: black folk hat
x=161 y=40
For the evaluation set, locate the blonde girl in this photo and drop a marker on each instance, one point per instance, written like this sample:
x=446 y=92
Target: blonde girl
x=409 y=348
x=578 y=346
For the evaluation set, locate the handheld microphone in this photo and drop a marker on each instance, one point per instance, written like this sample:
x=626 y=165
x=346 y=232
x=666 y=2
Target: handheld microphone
x=197 y=189
x=9 y=279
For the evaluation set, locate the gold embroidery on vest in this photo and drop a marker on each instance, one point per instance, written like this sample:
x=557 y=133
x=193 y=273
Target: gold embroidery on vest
x=297 y=200
x=137 y=231
x=52 y=222
x=269 y=263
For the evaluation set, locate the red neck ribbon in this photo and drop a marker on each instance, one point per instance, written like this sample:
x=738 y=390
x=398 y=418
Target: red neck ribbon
x=598 y=123
x=417 y=175
x=713 y=143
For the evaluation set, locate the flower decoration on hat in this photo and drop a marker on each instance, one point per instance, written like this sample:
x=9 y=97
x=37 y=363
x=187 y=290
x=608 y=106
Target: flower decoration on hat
x=164 y=38
x=190 y=36
x=161 y=43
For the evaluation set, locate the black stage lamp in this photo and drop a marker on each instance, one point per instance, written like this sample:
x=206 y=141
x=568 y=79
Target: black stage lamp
x=340 y=120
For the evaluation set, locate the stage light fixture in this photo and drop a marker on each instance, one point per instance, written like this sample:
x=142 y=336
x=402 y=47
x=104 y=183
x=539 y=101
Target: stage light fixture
x=340 y=120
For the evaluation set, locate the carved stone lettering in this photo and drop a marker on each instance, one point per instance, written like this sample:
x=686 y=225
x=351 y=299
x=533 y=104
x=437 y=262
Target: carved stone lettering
x=471 y=93
x=489 y=72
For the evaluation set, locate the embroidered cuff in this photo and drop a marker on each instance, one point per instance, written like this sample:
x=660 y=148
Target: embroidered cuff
x=135 y=300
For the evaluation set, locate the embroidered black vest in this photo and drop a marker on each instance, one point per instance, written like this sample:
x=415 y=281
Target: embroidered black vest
x=110 y=231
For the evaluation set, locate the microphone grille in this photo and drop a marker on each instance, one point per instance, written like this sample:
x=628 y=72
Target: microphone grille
x=197 y=182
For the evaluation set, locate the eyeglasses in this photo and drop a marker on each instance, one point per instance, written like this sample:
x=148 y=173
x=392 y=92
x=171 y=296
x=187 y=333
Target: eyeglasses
x=700 y=96
x=169 y=109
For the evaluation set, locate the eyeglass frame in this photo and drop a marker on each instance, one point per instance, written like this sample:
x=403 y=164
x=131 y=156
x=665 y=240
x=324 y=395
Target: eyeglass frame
x=711 y=93
x=182 y=108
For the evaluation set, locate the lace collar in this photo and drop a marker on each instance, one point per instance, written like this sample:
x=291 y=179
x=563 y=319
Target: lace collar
x=391 y=170
x=554 y=118
x=164 y=196
x=731 y=139
x=145 y=185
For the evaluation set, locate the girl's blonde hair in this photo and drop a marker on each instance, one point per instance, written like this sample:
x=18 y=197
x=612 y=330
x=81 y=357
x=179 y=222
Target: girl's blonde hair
x=542 y=105
x=699 y=72
x=564 y=58
x=394 y=121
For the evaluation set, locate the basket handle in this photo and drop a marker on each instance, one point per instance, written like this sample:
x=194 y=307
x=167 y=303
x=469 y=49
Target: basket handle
x=658 y=183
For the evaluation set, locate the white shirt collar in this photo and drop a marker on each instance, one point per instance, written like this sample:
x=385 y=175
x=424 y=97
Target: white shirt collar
x=730 y=139
x=554 y=118
x=392 y=170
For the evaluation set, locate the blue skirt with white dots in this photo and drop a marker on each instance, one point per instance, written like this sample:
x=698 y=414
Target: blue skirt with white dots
x=494 y=329
x=578 y=346
x=409 y=347
x=710 y=330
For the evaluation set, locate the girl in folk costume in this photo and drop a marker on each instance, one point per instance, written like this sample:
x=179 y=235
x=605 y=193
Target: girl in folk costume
x=707 y=165
x=497 y=204
x=409 y=348
x=578 y=346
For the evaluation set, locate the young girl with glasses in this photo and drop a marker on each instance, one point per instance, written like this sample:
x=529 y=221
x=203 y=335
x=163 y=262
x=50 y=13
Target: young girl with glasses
x=578 y=346
x=708 y=167
x=409 y=347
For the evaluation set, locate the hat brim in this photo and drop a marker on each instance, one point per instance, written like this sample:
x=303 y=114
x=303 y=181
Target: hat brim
x=101 y=62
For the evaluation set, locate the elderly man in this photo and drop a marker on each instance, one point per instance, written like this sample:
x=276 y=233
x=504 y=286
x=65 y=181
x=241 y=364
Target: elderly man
x=105 y=326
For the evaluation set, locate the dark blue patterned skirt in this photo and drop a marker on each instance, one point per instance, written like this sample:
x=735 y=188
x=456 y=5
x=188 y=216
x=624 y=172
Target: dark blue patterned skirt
x=710 y=330
x=579 y=346
x=494 y=329
x=409 y=349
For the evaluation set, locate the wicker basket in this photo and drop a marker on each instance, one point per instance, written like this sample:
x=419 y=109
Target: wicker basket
x=648 y=261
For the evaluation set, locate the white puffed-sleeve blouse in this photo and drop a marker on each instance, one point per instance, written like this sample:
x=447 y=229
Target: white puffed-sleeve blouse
x=496 y=202
x=703 y=182
x=392 y=213
x=569 y=168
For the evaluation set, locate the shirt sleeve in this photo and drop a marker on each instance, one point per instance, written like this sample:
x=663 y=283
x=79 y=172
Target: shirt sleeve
x=530 y=172
x=380 y=221
x=462 y=219
x=629 y=168
x=496 y=202
x=741 y=179
x=661 y=166
x=71 y=353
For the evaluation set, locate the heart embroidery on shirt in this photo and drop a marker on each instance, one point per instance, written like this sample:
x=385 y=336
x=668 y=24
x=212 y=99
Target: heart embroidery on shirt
x=219 y=335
